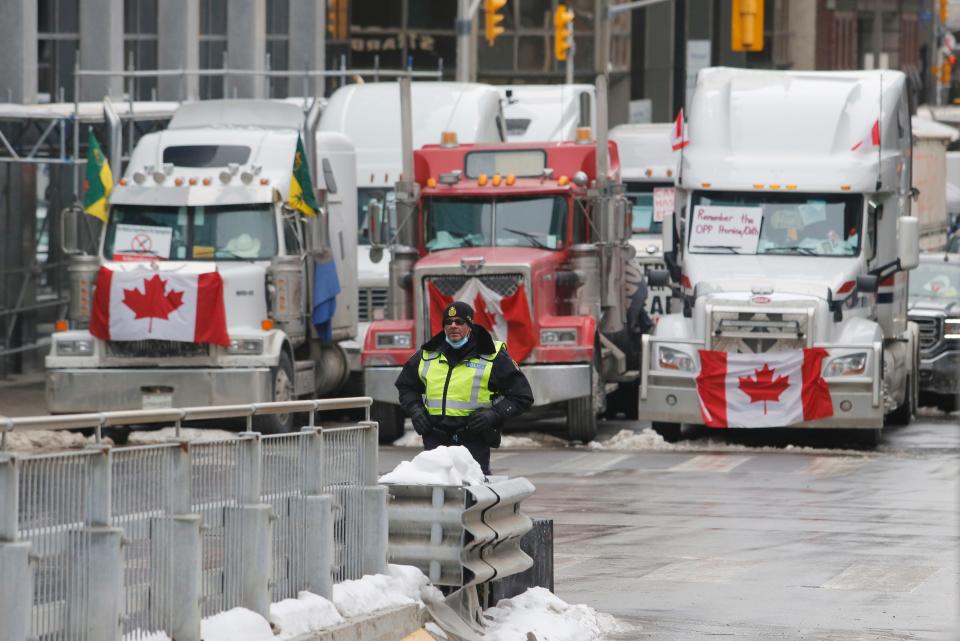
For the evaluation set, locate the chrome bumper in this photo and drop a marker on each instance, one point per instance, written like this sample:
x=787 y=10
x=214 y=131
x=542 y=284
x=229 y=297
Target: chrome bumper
x=99 y=390
x=941 y=374
x=550 y=383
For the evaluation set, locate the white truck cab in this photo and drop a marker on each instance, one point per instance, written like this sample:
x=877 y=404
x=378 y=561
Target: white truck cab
x=792 y=229
x=648 y=168
x=368 y=115
x=548 y=113
x=207 y=195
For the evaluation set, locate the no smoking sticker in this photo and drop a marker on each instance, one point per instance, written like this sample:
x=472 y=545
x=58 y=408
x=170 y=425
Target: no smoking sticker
x=132 y=241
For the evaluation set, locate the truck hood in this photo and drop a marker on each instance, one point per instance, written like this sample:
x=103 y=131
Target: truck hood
x=947 y=307
x=524 y=257
x=244 y=287
x=801 y=275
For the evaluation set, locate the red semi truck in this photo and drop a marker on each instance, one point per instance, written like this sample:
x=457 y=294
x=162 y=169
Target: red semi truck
x=527 y=234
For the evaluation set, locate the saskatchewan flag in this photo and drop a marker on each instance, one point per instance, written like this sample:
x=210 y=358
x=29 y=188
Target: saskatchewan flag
x=301 y=188
x=98 y=182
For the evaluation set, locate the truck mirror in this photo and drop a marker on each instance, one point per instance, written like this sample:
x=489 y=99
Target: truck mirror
x=908 y=242
x=70 y=231
x=375 y=224
x=868 y=283
x=376 y=253
x=668 y=232
x=658 y=278
x=914 y=194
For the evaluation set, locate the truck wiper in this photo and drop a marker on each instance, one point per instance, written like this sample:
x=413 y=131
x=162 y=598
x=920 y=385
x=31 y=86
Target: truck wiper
x=531 y=237
x=730 y=248
x=806 y=251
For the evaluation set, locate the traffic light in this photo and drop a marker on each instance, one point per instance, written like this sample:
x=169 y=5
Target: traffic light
x=493 y=19
x=944 y=11
x=562 y=31
x=337 y=19
x=746 y=29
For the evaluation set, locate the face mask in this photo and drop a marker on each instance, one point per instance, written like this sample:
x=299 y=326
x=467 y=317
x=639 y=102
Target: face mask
x=457 y=345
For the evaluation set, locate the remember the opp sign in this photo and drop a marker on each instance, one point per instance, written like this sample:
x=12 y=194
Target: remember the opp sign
x=734 y=227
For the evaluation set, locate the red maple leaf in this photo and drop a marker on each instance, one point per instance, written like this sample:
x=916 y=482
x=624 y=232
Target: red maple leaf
x=763 y=387
x=152 y=302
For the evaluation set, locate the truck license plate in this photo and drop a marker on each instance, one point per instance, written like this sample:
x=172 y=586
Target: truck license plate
x=157 y=401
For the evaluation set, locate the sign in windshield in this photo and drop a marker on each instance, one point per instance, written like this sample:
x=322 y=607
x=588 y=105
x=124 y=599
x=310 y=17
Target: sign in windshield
x=772 y=223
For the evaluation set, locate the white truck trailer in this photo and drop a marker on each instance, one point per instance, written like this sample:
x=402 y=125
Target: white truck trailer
x=207 y=196
x=648 y=168
x=791 y=230
x=368 y=114
x=548 y=113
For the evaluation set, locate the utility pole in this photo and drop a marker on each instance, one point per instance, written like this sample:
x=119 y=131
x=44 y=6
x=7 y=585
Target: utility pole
x=464 y=40
x=877 y=32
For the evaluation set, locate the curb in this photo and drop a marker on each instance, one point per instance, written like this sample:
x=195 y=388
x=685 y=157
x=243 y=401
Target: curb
x=396 y=624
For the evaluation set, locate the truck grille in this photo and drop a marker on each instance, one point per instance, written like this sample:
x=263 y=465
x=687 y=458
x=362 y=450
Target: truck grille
x=756 y=333
x=931 y=331
x=503 y=284
x=371 y=298
x=156 y=349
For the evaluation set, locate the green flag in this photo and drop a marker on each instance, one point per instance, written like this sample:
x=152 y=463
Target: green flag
x=98 y=182
x=301 y=187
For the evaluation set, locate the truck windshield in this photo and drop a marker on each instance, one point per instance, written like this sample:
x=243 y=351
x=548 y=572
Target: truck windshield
x=768 y=223
x=386 y=197
x=482 y=222
x=935 y=280
x=644 y=219
x=227 y=232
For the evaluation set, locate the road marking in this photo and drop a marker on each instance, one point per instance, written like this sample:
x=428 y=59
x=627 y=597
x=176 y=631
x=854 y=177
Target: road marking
x=710 y=463
x=881 y=576
x=711 y=570
x=833 y=466
x=593 y=464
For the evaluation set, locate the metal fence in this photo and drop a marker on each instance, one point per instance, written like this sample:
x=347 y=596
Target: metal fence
x=103 y=543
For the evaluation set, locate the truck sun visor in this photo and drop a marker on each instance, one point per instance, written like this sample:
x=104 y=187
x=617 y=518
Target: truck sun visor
x=206 y=155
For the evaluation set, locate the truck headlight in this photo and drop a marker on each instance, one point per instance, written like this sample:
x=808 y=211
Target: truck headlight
x=560 y=336
x=248 y=346
x=669 y=358
x=951 y=329
x=75 y=347
x=393 y=339
x=849 y=365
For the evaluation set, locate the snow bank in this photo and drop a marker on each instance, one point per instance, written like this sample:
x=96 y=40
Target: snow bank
x=548 y=617
x=307 y=613
x=647 y=440
x=166 y=434
x=371 y=593
x=413 y=583
x=238 y=624
x=49 y=440
x=630 y=440
x=523 y=440
x=441 y=466
x=409 y=439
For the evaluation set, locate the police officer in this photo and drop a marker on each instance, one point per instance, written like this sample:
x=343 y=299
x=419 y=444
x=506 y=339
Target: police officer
x=461 y=385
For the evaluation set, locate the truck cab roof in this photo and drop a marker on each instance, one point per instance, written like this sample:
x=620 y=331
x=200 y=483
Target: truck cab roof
x=537 y=113
x=646 y=152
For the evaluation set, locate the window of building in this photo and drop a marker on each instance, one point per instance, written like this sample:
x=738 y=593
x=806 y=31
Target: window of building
x=58 y=41
x=213 y=45
x=140 y=45
x=278 y=46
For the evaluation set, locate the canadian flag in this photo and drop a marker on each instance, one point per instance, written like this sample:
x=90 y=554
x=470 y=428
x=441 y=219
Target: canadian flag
x=507 y=317
x=763 y=390
x=874 y=137
x=678 y=136
x=145 y=304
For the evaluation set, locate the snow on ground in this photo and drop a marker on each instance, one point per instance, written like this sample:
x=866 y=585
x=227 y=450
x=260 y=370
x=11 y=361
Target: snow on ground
x=413 y=583
x=307 y=613
x=49 y=440
x=440 y=466
x=521 y=440
x=369 y=594
x=166 y=434
x=409 y=439
x=238 y=624
x=548 y=617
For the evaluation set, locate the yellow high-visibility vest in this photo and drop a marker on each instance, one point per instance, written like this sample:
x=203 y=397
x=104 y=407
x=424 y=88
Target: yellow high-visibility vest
x=467 y=389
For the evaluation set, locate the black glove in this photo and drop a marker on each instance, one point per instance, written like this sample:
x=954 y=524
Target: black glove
x=421 y=421
x=481 y=422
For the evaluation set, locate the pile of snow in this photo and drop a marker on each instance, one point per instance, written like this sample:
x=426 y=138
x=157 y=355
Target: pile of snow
x=371 y=593
x=520 y=441
x=238 y=624
x=647 y=440
x=630 y=440
x=413 y=583
x=548 y=617
x=409 y=439
x=307 y=613
x=440 y=466
x=49 y=440
x=166 y=434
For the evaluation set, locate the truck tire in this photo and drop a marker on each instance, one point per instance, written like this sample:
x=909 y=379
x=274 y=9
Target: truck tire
x=390 y=419
x=582 y=419
x=283 y=390
x=905 y=411
x=625 y=400
x=670 y=432
x=869 y=437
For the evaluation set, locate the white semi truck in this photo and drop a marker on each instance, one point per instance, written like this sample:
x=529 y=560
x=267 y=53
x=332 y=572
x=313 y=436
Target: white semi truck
x=791 y=230
x=368 y=114
x=548 y=113
x=207 y=195
x=648 y=168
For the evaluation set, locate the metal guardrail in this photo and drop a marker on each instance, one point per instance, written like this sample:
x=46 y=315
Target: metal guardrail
x=101 y=543
x=460 y=536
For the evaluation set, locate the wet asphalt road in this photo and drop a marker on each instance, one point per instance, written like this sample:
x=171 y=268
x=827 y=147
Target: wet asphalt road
x=744 y=538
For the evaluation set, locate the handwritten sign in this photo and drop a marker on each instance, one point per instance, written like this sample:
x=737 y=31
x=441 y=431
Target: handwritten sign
x=718 y=226
x=663 y=198
x=146 y=241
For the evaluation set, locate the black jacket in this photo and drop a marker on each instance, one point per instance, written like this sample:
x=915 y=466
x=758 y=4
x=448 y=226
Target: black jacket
x=511 y=391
